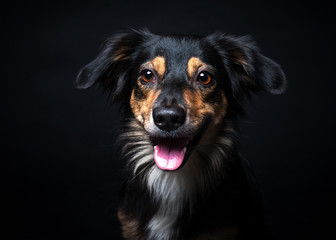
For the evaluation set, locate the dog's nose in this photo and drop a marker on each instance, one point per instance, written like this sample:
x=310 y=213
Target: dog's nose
x=169 y=118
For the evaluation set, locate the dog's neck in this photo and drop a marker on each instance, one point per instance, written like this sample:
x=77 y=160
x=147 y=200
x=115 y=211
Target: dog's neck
x=174 y=190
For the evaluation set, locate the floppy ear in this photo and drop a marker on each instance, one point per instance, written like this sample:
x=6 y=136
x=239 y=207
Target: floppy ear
x=112 y=66
x=247 y=67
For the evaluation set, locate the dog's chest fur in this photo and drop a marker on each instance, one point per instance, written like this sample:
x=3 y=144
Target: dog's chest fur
x=176 y=193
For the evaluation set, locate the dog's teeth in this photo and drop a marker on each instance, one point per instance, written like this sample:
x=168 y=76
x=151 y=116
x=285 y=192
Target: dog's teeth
x=185 y=150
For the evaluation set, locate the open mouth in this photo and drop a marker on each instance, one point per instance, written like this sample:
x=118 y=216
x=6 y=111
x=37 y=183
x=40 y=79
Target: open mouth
x=169 y=153
x=172 y=152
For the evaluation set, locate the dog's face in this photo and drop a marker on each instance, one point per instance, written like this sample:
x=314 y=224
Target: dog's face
x=175 y=96
x=178 y=87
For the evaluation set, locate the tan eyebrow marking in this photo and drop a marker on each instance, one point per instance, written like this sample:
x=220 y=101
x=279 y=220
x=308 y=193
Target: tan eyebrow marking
x=158 y=64
x=194 y=64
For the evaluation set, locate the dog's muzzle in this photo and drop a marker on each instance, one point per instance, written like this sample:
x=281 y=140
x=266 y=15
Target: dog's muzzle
x=169 y=152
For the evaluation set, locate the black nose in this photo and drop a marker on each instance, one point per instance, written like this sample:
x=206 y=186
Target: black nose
x=169 y=118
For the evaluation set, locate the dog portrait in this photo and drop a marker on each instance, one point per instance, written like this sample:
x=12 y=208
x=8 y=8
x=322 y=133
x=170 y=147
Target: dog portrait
x=181 y=96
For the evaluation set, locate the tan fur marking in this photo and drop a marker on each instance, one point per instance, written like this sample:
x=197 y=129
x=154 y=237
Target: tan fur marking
x=194 y=64
x=129 y=226
x=198 y=108
x=195 y=99
x=142 y=108
x=159 y=65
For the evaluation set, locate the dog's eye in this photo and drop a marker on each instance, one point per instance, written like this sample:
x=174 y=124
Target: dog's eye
x=147 y=76
x=205 y=78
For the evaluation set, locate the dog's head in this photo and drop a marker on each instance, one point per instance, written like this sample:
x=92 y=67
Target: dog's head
x=178 y=86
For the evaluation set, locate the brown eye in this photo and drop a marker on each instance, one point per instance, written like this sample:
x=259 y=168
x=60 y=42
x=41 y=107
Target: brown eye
x=147 y=76
x=205 y=78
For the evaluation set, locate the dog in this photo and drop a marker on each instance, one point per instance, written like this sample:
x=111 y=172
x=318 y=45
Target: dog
x=181 y=96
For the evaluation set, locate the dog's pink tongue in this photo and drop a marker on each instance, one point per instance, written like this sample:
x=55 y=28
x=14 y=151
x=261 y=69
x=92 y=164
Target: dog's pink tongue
x=169 y=155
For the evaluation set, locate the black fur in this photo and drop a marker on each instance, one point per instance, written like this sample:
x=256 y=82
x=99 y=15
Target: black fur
x=228 y=198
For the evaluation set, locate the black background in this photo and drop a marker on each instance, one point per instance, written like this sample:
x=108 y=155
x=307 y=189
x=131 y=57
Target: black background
x=60 y=171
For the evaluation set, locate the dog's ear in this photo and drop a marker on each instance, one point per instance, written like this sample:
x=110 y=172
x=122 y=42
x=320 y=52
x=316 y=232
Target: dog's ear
x=246 y=66
x=111 y=68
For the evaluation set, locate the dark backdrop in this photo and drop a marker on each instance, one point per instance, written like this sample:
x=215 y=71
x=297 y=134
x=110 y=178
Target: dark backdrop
x=60 y=171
